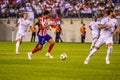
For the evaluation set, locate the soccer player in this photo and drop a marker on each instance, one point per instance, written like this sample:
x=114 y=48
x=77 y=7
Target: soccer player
x=43 y=36
x=107 y=26
x=94 y=27
x=23 y=24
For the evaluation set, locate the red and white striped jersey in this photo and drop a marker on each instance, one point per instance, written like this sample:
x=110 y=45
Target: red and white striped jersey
x=43 y=22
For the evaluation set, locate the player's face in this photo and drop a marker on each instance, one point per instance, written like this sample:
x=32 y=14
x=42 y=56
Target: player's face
x=25 y=16
x=114 y=14
x=48 y=15
x=111 y=14
x=95 y=19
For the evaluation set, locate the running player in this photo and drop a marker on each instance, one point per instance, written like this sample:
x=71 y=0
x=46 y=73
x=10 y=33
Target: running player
x=43 y=36
x=23 y=24
x=107 y=27
x=94 y=27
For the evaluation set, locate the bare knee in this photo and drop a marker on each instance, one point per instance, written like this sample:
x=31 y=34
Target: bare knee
x=97 y=48
x=51 y=41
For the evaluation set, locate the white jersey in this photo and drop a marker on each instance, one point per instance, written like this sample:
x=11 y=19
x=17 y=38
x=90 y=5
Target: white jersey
x=107 y=32
x=23 y=25
x=115 y=21
x=94 y=27
x=106 y=35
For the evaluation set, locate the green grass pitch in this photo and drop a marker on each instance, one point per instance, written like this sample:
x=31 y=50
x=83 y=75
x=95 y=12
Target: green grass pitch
x=18 y=67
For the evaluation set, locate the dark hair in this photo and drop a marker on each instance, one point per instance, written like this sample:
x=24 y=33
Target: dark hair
x=83 y=24
x=46 y=12
x=109 y=11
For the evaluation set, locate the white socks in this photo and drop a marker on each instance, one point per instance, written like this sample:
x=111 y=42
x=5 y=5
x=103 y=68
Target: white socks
x=17 y=46
x=109 y=51
x=90 y=55
x=92 y=52
x=93 y=43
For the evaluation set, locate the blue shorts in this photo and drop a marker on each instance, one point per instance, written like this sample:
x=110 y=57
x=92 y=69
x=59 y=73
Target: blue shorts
x=42 y=39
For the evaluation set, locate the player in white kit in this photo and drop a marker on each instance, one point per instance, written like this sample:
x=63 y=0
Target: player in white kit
x=94 y=27
x=23 y=24
x=107 y=27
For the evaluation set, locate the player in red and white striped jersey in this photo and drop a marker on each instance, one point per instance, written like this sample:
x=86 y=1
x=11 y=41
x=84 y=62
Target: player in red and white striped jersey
x=43 y=36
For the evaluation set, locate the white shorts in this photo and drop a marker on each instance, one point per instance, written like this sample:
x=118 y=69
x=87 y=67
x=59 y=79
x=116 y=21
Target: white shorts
x=20 y=36
x=95 y=36
x=102 y=41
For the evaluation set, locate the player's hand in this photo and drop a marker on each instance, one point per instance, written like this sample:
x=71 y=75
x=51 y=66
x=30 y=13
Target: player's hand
x=100 y=26
x=13 y=28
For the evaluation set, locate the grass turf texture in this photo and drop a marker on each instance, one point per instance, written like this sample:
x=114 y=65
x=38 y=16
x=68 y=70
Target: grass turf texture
x=18 y=67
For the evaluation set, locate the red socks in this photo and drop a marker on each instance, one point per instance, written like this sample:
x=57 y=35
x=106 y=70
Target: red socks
x=35 y=50
x=50 y=48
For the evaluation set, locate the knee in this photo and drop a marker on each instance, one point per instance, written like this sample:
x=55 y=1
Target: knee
x=52 y=43
x=97 y=48
x=110 y=48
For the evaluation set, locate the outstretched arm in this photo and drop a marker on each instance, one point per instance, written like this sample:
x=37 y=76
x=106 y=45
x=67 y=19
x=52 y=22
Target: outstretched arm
x=14 y=28
x=101 y=26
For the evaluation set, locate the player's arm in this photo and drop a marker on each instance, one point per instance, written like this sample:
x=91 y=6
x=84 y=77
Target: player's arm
x=116 y=29
x=46 y=26
x=90 y=28
x=31 y=26
x=101 y=26
x=14 y=28
x=19 y=21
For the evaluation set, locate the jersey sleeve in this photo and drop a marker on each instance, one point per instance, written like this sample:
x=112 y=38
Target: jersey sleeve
x=19 y=20
x=103 y=21
x=30 y=23
x=90 y=24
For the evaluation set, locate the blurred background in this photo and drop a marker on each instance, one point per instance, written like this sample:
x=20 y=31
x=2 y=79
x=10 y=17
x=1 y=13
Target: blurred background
x=72 y=13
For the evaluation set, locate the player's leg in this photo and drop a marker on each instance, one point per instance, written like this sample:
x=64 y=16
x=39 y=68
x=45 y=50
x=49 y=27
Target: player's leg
x=18 y=42
x=109 y=51
x=51 y=41
x=17 y=45
x=93 y=43
x=94 y=50
x=109 y=43
x=38 y=47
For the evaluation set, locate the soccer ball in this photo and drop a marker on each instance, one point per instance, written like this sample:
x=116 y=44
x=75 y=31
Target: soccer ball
x=63 y=56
